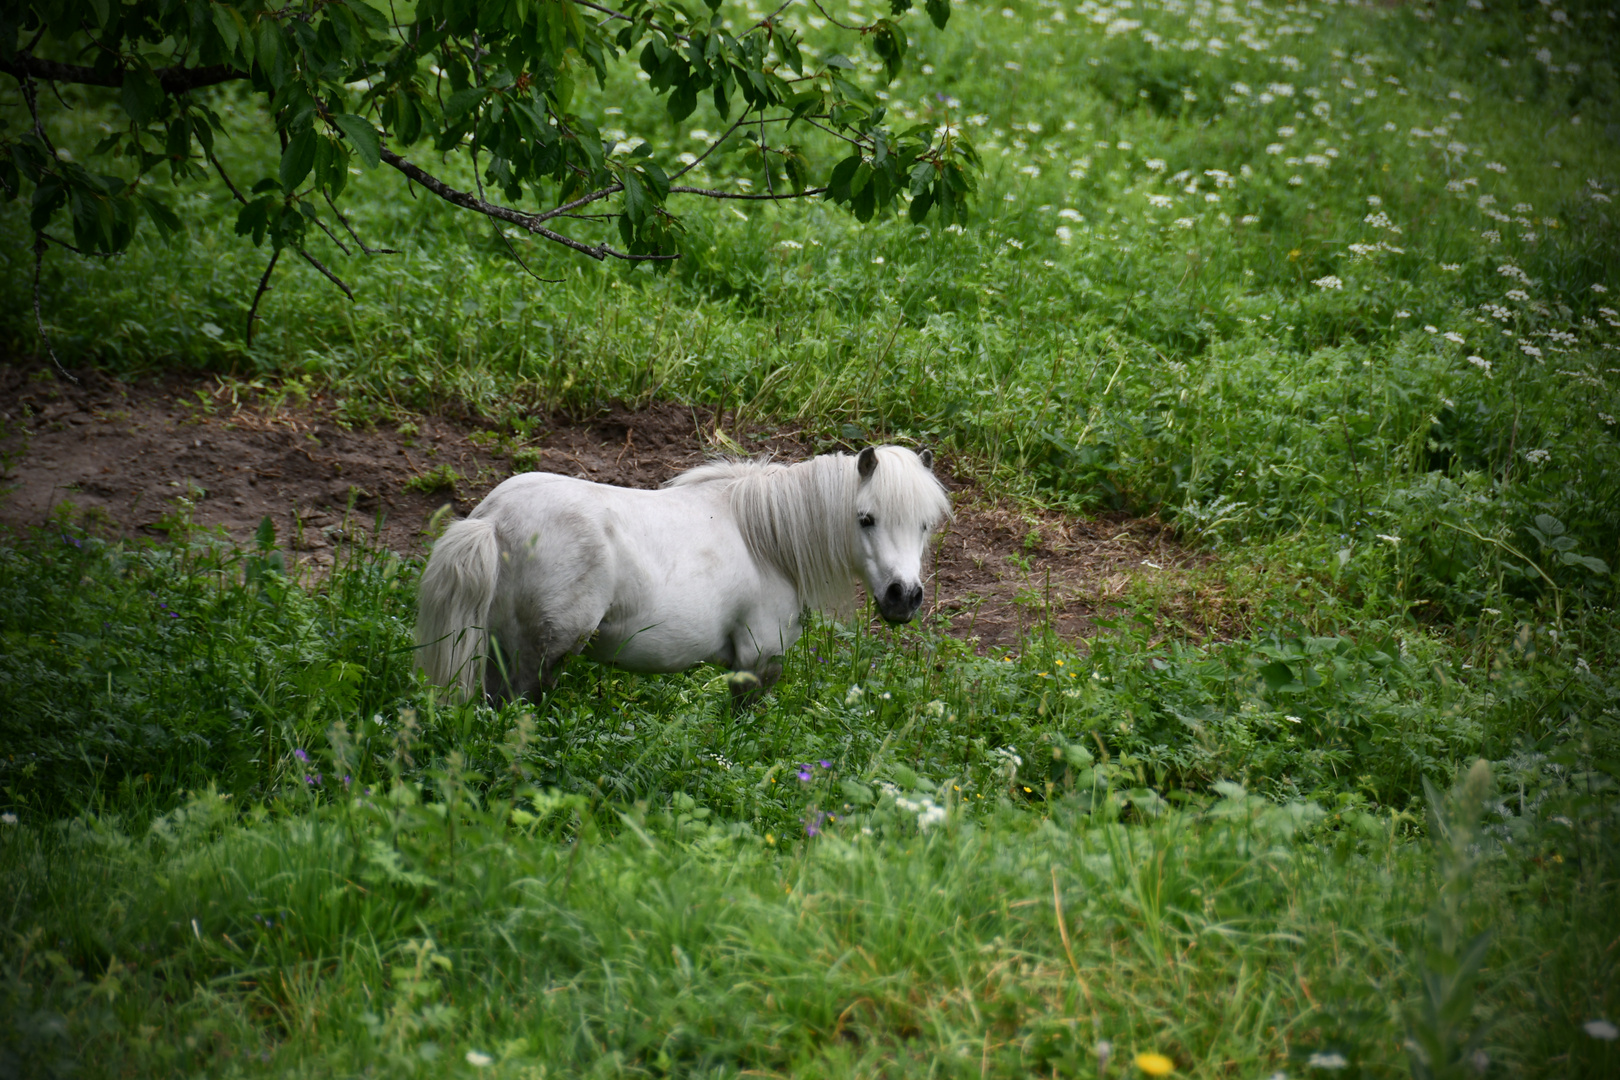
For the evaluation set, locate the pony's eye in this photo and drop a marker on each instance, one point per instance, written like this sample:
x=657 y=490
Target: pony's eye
x=867 y=521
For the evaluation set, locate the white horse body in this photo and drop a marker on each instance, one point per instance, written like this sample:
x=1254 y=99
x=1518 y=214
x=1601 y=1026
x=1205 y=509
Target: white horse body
x=716 y=567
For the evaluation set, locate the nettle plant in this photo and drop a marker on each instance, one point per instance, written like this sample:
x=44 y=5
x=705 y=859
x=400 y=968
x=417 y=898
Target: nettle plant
x=499 y=82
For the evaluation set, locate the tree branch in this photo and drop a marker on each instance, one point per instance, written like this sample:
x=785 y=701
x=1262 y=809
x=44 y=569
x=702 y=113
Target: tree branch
x=355 y=235
x=528 y=222
x=264 y=284
x=175 y=80
x=610 y=13
x=711 y=193
x=39 y=316
x=333 y=278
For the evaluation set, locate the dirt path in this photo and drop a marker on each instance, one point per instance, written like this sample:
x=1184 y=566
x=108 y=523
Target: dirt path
x=127 y=459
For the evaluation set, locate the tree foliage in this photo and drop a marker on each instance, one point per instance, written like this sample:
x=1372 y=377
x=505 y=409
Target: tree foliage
x=346 y=83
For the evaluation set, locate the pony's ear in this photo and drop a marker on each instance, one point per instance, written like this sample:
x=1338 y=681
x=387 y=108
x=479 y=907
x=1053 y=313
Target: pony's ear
x=927 y=458
x=866 y=463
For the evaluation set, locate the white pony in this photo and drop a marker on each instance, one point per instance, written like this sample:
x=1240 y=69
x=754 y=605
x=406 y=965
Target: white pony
x=716 y=566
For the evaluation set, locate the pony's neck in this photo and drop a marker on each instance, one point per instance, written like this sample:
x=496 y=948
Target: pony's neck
x=800 y=520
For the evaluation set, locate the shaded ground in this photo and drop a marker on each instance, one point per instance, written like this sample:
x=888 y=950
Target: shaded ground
x=145 y=460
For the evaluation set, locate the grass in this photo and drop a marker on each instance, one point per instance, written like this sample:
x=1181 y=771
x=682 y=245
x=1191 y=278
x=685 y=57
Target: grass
x=248 y=840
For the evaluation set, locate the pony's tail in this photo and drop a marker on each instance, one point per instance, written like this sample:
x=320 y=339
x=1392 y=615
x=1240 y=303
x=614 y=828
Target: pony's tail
x=453 y=612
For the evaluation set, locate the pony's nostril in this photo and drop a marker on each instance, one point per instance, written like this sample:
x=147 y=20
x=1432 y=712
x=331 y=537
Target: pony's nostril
x=894 y=593
x=914 y=596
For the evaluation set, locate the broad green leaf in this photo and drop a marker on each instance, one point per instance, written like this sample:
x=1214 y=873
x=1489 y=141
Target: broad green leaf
x=1277 y=675
x=458 y=104
x=228 y=24
x=683 y=100
x=940 y=12
x=635 y=198
x=142 y=94
x=362 y=137
x=167 y=221
x=297 y=159
x=920 y=206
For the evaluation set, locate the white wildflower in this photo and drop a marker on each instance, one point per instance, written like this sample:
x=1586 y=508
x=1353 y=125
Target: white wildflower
x=1331 y=281
x=1453 y=337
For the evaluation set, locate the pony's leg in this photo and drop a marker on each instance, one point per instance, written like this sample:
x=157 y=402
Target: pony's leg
x=533 y=641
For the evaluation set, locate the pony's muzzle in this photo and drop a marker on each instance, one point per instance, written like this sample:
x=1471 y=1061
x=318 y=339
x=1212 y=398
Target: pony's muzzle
x=899 y=603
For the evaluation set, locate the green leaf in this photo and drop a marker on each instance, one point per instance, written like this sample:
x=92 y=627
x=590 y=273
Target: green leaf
x=656 y=178
x=683 y=100
x=228 y=24
x=1549 y=525
x=142 y=94
x=1277 y=675
x=889 y=42
x=920 y=206
x=362 y=137
x=297 y=159
x=254 y=218
x=635 y=198
x=940 y=12
x=462 y=101
x=166 y=220
x=271 y=48
x=863 y=177
x=373 y=18
x=857 y=793
x=1597 y=566
x=838 y=185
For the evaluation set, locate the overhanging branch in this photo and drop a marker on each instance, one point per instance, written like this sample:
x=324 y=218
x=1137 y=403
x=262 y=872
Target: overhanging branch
x=528 y=222
x=711 y=193
x=175 y=80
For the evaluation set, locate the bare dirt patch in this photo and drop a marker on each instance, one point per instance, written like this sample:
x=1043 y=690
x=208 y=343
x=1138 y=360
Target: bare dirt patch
x=141 y=460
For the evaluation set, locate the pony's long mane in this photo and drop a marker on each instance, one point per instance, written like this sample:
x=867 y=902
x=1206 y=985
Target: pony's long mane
x=801 y=518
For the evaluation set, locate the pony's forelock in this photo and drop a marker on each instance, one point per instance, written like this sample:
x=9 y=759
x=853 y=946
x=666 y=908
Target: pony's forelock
x=801 y=518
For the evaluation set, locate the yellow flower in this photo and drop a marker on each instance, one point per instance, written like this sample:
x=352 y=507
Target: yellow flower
x=1155 y=1064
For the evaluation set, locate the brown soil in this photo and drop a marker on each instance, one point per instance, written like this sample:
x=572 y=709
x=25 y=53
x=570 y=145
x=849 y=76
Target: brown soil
x=127 y=459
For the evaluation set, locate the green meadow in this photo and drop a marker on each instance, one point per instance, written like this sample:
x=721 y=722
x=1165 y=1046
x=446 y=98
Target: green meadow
x=1330 y=288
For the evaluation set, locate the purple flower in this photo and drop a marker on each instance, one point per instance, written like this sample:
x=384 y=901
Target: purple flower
x=804 y=772
x=813 y=823
x=825 y=764
x=300 y=755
